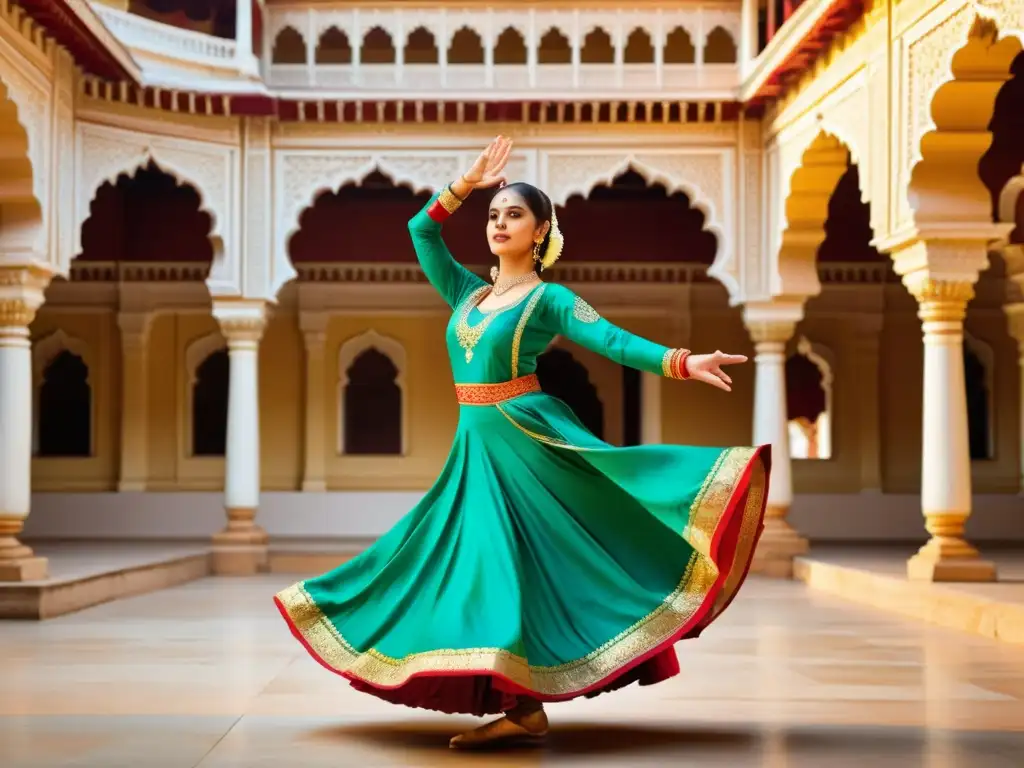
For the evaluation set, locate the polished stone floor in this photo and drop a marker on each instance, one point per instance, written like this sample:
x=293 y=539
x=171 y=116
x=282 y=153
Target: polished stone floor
x=207 y=675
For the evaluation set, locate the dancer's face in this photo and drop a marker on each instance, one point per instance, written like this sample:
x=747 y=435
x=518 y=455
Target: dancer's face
x=511 y=226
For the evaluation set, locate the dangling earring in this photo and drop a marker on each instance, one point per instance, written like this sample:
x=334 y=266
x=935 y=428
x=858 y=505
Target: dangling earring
x=494 y=274
x=536 y=250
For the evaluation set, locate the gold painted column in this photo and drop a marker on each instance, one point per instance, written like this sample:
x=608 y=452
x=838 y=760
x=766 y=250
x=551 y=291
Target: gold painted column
x=241 y=548
x=21 y=295
x=945 y=456
x=134 y=400
x=314 y=472
x=771 y=325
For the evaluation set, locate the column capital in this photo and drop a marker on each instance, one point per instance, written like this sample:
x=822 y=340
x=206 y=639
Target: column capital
x=956 y=253
x=21 y=293
x=240 y=320
x=772 y=321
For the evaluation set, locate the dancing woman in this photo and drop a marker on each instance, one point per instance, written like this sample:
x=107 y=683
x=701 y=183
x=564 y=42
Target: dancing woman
x=544 y=564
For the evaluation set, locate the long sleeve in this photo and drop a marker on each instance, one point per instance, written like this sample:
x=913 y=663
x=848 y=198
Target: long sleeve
x=567 y=314
x=452 y=280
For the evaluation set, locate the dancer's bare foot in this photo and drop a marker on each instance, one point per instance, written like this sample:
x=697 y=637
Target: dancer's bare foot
x=525 y=724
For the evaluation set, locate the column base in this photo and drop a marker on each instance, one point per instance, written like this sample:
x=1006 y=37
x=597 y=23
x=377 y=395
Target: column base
x=24 y=569
x=314 y=486
x=17 y=561
x=241 y=549
x=778 y=545
x=931 y=564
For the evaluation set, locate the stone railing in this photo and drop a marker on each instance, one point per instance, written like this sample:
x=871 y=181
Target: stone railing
x=483 y=53
x=168 y=43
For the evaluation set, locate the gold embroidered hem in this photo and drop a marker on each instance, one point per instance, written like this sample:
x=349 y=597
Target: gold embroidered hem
x=493 y=394
x=683 y=611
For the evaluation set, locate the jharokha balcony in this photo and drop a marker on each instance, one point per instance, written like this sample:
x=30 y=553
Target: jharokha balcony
x=703 y=51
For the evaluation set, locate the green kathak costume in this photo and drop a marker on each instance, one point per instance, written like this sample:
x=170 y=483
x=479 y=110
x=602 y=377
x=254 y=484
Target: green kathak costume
x=543 y=561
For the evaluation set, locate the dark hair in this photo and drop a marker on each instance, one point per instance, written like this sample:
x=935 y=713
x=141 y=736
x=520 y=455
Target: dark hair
x=539 y=205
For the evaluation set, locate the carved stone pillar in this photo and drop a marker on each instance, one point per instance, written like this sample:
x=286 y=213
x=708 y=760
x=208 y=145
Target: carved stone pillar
x=134 y=400
x=241 y=548
x=314 y=473
x=771 y=326
x=945 y=456
x=21 y=294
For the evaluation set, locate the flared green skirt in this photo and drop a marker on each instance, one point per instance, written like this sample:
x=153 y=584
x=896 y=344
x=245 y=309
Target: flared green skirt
x=542 y=562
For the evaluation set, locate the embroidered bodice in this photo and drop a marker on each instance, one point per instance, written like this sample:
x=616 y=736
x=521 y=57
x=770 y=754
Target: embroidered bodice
x=502 y=344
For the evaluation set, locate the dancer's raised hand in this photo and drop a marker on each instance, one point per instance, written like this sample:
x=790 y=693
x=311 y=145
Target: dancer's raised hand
x=487 y=170
x=708 y=368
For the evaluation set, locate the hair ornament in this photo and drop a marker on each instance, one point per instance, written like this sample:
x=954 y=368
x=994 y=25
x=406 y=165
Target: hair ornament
x=555 y=244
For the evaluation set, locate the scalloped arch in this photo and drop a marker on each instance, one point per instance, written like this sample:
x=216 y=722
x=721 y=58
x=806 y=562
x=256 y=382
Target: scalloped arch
x=111 y=158
x=46 y=350
x=304 y=177
x=973 y=47
x=197 y=351
x=652 y=174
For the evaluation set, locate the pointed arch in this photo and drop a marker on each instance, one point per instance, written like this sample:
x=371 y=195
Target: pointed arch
x=333 y=47
x=199 y=352
x=386 y=405
x=289 y=47
x=510 y=47
x=73 y=433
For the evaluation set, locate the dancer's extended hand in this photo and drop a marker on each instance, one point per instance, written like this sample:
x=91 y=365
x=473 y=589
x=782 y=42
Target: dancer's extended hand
x=708 y=368
x=486 y=171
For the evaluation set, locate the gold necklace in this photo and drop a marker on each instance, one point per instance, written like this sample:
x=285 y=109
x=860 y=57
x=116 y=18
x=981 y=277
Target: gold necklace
x=503 y=286
x=469 y=335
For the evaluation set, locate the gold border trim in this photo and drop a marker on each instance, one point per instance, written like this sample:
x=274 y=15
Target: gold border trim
x=521 y=327
x=655 y=629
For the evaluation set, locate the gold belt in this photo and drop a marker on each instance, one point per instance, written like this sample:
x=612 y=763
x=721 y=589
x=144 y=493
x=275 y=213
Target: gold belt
x=492 y=394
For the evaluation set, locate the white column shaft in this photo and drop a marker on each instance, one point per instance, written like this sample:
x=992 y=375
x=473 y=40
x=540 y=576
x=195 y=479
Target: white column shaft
x=242 y=471
x=946 y=459
x=770 y=423
x=15 y=422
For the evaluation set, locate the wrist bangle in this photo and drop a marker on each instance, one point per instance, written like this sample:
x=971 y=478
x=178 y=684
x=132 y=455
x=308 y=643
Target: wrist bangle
x=449 y=200
x=673 y=364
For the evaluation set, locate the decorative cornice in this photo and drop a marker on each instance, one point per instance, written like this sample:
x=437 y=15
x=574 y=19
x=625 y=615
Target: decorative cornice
x=263 y=103
x=838 y=273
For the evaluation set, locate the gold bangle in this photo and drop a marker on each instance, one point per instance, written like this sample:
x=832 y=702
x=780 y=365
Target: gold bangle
x=449 y=200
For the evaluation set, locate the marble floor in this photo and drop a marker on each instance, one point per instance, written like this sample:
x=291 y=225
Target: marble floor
x=206 y=674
